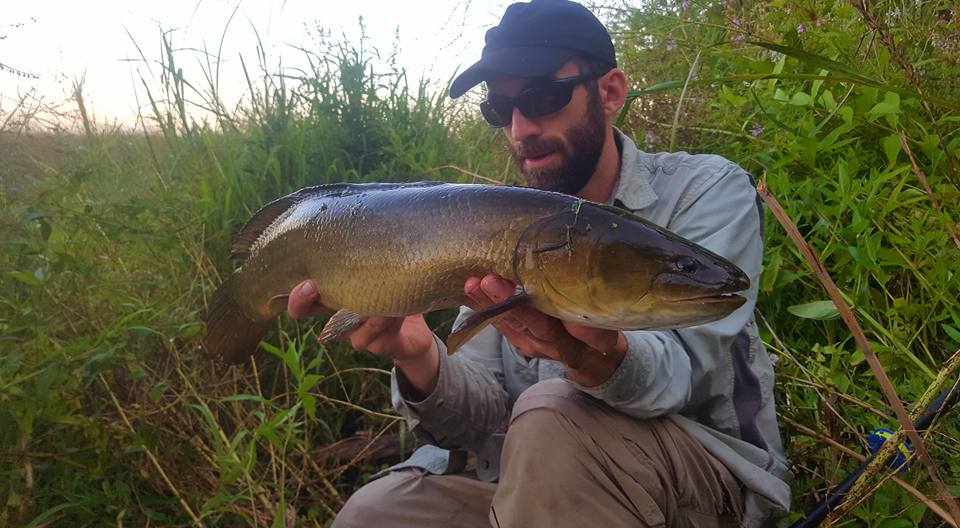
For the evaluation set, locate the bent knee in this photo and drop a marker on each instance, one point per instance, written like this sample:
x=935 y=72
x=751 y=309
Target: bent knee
x=557 y=395
x=373 y=502
x=550 y=412
x=555 y=408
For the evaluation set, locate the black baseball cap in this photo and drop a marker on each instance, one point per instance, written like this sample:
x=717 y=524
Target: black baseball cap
x=534 y=39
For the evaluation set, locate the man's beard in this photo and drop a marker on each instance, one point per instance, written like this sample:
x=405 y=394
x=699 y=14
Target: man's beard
x=578 y=158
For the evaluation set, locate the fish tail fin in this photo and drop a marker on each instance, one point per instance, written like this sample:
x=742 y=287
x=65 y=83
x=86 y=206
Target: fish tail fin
x=233 y=335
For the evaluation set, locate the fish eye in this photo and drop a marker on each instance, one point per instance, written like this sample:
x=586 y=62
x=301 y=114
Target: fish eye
x=686 y=264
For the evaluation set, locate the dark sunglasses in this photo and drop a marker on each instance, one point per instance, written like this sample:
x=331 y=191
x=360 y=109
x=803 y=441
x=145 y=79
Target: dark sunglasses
x=543 y=98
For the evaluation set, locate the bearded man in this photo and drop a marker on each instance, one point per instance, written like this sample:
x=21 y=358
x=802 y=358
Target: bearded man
x=643 y=428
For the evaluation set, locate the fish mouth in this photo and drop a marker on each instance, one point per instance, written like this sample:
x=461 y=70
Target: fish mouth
x=717 y=298
x=681 y=290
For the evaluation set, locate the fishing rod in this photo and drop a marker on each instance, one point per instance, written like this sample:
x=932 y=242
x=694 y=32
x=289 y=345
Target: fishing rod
x=941 y=404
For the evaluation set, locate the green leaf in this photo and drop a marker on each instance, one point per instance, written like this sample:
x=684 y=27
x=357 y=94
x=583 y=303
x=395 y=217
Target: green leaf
x=25 y=277
x=846 y=113
x=242 y=397
x=280 y=519
x=801 y=99
x=952 y=332
x=819 y=310
x=46 y=514
x=308 y=382
x=768 y=277
x=157 y=390
x=310 y=406
x=857 y=357
x=828 y=101
x=895 y=523
x=840 y=380
x=890 y=106
x=237 y=438
x=811 y=58
x=891 y=147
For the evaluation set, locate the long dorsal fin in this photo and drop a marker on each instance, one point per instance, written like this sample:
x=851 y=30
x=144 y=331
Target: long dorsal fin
x=245 y=237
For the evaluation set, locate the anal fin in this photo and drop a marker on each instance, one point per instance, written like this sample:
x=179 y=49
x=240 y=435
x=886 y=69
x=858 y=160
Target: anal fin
x=472 y=325
x=340 y=324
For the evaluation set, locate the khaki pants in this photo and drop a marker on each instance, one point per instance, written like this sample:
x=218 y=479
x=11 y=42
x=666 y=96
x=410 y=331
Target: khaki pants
x=568 y=460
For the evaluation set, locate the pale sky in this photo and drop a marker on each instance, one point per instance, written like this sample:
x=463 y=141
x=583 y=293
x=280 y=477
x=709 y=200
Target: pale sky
x=62 y=40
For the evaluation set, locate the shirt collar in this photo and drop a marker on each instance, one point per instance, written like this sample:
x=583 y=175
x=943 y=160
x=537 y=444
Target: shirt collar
x=633 y=188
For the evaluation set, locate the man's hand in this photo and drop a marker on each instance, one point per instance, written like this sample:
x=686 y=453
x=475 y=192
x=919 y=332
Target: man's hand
x=304 y=301
x=590 y=355
x=407 y=340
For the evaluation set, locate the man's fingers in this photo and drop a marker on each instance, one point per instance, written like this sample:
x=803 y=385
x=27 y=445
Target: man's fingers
x=475 y=297
x=530 y=320
x=471 y=286
x=597 y=338
x=487 y=290
x=497 y=289
x=531 y=332
x=522 y=341
x=371 y=330
x=302 y=300
x=528 y=329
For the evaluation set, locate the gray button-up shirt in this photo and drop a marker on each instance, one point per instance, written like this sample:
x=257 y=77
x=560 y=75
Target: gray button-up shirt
x=715 y=380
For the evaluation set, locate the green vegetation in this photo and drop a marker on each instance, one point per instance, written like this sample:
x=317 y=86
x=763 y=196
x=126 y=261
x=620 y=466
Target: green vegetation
x=113 y=242
x=832 y=103
x=111 y=413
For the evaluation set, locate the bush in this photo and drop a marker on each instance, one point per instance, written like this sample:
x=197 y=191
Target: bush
x=850 y=114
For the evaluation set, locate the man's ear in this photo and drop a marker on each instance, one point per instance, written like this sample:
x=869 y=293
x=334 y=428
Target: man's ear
x=613 y=91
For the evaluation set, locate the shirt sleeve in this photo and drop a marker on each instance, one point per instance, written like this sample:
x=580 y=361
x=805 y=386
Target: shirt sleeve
x=661 y=368
x=469 y=402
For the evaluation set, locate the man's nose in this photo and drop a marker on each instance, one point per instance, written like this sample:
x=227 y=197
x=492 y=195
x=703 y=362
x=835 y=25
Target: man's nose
x=522 y=127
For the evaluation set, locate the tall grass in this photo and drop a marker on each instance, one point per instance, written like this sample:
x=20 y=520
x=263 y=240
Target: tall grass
x=111 y=411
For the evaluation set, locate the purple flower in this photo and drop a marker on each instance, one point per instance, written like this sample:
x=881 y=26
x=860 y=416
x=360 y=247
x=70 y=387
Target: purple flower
x=756 y=130
x=671 y=44
x=801 y=28
x=686 y=4
x=739 y=37
x=788 y=9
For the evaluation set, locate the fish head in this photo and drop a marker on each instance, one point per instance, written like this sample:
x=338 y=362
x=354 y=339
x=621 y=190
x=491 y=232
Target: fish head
x=608 y=268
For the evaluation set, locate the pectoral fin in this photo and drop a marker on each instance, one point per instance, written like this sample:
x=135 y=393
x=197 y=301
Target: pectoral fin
x=472 y=325
x=340 y=324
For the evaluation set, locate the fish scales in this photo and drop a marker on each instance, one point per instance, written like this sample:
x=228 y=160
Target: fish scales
x=381 y=258
x=400 y=249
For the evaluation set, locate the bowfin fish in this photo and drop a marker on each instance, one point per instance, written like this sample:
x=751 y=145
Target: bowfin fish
x=383 y=249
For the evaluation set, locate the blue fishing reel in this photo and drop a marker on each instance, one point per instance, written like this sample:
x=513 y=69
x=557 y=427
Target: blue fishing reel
x=899 y=460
